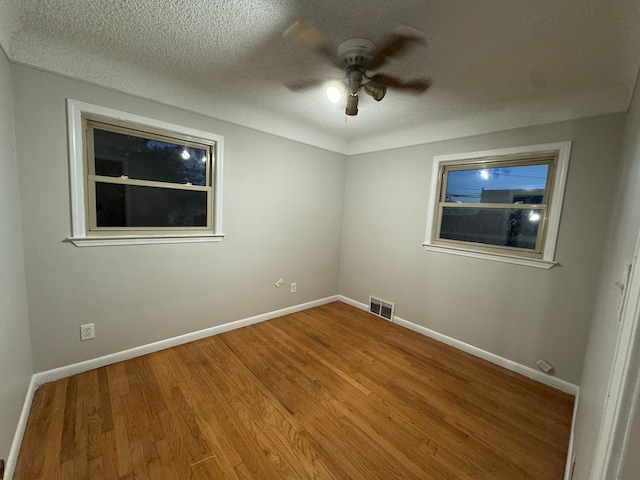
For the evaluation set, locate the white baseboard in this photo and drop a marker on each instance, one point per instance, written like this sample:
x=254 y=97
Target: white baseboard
x=529 y=372
x=68 y=370
x=354 y=303
x=12 y=459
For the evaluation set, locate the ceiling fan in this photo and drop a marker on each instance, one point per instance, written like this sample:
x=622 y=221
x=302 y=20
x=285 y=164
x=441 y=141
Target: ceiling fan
x=357 y=58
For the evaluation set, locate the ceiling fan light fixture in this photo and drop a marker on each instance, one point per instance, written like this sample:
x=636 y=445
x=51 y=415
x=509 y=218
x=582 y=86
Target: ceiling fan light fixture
x=375 y=90
x=359 y=59
x=352 y=105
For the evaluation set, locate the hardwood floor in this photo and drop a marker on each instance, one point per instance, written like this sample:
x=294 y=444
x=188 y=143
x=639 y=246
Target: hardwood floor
x=330 y=392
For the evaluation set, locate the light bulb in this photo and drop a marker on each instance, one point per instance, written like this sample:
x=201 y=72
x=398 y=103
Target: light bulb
x=333 y=94
x=336 y=91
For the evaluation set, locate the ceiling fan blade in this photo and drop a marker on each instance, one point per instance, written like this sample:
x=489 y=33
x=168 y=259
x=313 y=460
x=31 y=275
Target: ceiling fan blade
x=412 y=86
x=304 y=84
x=311 y=37
x=394 y=45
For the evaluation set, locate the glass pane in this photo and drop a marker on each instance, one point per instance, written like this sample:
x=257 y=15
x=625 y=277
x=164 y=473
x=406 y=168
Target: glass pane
x=503 y=227
x=118 y=154
x=134 y=206
x=520 y=184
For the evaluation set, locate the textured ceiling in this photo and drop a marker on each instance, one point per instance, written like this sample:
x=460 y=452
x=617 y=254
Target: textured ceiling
x=494 y=64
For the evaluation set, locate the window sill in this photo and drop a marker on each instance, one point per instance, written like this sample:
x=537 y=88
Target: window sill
x=496 y=257
x=143 y=240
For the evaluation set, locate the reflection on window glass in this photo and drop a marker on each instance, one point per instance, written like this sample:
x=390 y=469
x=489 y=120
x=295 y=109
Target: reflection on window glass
x=518 y=184
x=502 y=227
x=135 y=206
x=118 y=154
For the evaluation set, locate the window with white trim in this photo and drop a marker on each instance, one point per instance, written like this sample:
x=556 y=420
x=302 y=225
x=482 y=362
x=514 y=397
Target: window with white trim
x=138 y=180
x=503 y=205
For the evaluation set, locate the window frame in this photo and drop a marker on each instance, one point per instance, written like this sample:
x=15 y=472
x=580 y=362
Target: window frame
x=83 y=233
x=544 y=256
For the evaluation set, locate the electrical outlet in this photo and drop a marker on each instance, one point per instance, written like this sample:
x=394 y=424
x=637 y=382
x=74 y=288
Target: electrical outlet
x=279 y=283
x=545 y=366
x=87 y=332
x=294 y=287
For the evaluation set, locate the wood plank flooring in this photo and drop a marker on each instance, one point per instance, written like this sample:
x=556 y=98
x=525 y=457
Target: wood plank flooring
x=328 y=393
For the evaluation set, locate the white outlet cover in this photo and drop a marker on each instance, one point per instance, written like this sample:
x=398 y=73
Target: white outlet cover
x=87 y=331
x=545 y=366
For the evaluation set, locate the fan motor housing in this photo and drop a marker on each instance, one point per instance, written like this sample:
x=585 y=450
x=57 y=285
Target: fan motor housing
x=356 y=52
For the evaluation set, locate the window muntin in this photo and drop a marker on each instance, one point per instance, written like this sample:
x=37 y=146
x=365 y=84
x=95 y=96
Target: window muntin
x=502 y=205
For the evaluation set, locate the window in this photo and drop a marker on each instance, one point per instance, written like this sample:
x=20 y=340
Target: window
x=502 y=205
x=136 y=180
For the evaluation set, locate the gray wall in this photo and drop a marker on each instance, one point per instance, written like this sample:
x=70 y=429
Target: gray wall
x=631 y=463
x=282 y=216
x=15 y=348
x=520 y=313
x=622 y=235
x=286 y=214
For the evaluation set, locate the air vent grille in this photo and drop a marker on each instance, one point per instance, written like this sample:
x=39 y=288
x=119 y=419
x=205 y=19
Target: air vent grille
x=382 y=308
